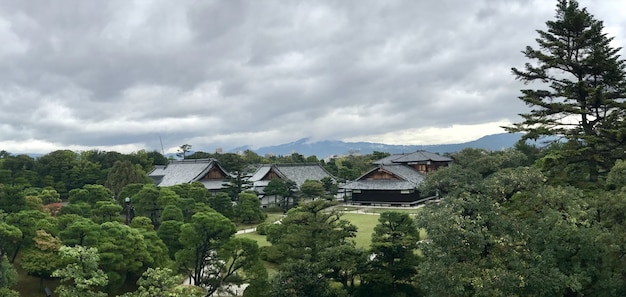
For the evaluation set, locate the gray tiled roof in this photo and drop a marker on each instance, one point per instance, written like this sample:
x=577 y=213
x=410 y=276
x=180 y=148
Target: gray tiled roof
x=297 y=173
x=418 y=156
x=181 y=172
x=409 y=179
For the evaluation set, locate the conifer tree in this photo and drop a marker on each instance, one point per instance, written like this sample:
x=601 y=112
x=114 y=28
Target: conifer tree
x=581 y=90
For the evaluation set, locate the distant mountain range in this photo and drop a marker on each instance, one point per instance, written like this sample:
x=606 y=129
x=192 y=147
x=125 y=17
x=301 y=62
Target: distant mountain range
x=326 y=148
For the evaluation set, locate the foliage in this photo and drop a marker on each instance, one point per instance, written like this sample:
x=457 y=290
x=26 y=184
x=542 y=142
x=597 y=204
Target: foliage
x=393 y=264
x=222 y=203
x=8 y=274
x=162 y=282
x=81 y=276
x=248 y=210
x=201 y=238
x=122 y=174
x=581 y=89
x=312 y=189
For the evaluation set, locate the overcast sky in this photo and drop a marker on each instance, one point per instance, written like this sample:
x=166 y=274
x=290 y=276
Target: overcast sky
x=126 y=75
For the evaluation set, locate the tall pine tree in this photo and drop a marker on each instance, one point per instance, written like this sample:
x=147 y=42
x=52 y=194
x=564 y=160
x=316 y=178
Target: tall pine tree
x=581 y=94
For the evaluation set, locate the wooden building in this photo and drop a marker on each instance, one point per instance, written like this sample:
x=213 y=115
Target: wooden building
x=395 y=180
x=206 y=171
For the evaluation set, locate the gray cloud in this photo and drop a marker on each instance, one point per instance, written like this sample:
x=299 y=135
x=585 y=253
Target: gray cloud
x=122 y=74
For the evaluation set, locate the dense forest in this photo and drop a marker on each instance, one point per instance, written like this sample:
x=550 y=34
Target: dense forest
x=528 y=221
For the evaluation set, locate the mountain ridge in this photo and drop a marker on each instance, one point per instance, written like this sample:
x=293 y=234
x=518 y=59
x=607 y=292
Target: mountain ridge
x=325 y=148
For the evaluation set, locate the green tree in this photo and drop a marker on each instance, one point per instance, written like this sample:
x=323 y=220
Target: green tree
x=582 y=89
x=222 y=203
x=169 y=232
x=122 y=174
x=311 y=189
x=106 y=211
x=81 y=276
x=10 y=237
x=8 y=274
x=42 y=260
x=183 y=150
x=201 y=239
x=123 y=252
x=81 y=231
x=248 y=210
x=393 y=265
x=162 y=282
x=11 y=199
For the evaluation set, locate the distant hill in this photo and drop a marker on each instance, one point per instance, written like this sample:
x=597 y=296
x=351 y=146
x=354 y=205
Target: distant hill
x=326 y=148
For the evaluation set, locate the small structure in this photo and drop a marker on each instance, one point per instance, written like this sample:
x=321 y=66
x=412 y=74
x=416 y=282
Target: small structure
x=295 y=172
x=395 y=180
x=206 y=171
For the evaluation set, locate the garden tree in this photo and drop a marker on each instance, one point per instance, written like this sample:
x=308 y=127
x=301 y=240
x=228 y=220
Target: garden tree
x=563 y=239
x=616 y=179
x=29 y=222
x=80 y=231
x=85 y=172
x=128 y=191
x=611 y=207
x=49 y=195
x=6 y=177
x=157 y=158
x=581 y=92
x=43 y=259
x=123 y=251
x=472 y=249
x=451 y=179
x=146 y=203
x=300 y=279
x=122 y=174
x=163 y=282
x=156 y=248
x=33 y=203
x=167 y=196
x=81 y=276
x=172 y=213
x=204 y=256
x=345 y=264
x=82 y=209
x=183 y=150
x=248 y=210
x=240 y=264
x=8 y=276
x=393 y=261
x=221 y=203
x=11 y=199
x=236 y=183
x=505 y=183
x=307 y=231
x=57 y=164
x=10 y=237
x=330 y=186
x=312 y=189
x=143 y=159
x=106 y=211
x=195 y=191
x=286 y=190
x=376 y=155
x=142 y=223
x=90 y=194
x=169 y=232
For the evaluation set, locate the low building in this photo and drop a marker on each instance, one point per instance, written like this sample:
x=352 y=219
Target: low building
x=395 y=180
x=297 y=173
x=206 y=171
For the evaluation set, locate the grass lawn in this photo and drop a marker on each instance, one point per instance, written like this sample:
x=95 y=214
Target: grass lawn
x=261 y=240
x=365 y=227
x=271 y=218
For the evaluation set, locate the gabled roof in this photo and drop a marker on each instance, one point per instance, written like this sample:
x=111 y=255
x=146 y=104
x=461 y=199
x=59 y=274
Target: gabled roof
x=184 y=171
x=418 y=156
x=407 y=178
x=297 y=173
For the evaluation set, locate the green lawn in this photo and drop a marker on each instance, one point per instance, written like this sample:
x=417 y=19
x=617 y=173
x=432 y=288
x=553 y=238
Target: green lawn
x=271 y=218
x=365 y=227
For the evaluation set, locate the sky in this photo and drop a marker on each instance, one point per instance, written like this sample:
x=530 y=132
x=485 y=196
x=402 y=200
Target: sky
x=129 y=75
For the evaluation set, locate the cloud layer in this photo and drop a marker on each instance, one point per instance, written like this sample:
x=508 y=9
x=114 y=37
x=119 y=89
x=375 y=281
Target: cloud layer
x=126 y=75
